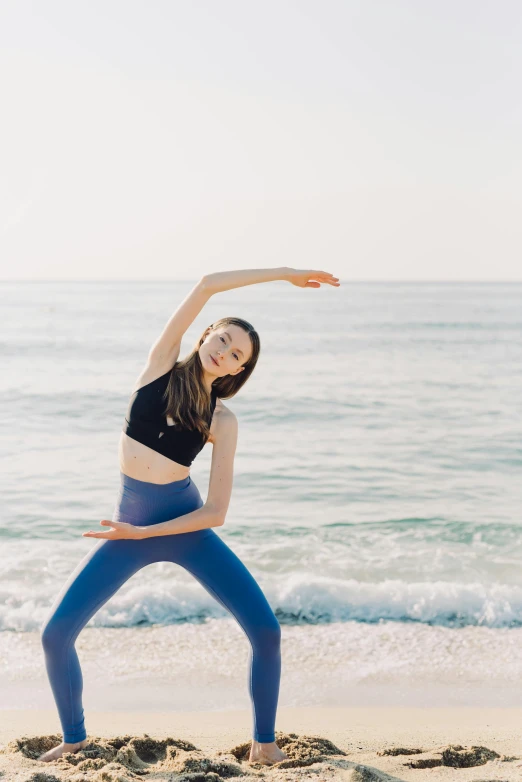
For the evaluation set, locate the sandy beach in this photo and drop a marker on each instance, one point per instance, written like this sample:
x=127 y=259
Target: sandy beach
x=145 y=715
x=350 y=744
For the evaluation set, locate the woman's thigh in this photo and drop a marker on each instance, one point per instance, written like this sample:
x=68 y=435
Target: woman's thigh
x=110 y=563
x=224 y=576
x=95 y=579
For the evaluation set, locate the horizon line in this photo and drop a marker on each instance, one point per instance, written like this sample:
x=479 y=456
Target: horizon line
x=194 y=279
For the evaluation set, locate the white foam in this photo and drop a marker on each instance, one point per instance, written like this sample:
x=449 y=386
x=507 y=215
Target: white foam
x=166 y=594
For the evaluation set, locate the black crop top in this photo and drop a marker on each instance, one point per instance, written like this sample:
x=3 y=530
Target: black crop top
x=146 y=423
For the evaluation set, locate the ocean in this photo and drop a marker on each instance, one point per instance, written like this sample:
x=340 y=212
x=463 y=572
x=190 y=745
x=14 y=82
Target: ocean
x=377 y=492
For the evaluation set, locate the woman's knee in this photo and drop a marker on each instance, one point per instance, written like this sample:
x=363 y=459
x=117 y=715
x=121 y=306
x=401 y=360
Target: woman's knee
x=55 y=633
x=267 y=636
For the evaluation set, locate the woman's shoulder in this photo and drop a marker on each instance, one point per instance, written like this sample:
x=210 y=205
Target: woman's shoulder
x=223 y=412
x=223 y=420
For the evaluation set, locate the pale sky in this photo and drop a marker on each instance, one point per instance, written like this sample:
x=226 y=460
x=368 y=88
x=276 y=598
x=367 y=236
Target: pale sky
x=157 y=139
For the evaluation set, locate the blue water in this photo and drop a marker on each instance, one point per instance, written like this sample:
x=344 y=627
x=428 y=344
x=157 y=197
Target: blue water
x=378 y=468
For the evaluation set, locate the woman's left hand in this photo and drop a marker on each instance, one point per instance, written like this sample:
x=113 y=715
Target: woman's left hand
x=310 y=278
x=121 y=531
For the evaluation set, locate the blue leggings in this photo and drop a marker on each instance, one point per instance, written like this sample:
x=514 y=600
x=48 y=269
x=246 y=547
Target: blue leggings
x=110 y=563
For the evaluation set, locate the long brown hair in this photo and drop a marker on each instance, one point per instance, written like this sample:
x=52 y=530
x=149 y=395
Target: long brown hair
x=188 y=401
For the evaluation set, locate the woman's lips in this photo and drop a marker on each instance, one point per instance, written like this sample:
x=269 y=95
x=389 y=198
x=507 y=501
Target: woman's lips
x=214 y=360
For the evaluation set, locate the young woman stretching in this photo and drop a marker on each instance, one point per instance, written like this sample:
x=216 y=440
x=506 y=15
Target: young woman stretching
x=174 y=409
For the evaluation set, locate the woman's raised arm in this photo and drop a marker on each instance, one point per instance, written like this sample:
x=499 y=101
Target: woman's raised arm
x=166 y=348
x=303 y=278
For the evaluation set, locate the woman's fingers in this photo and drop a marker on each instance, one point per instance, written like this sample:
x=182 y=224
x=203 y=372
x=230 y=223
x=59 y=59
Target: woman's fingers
x=323 y=273
x=120 y=530
x=314 y=278
x=323 y=276
x=105 y=522
x=315 y=281
x=102 y=534
x=326 y=277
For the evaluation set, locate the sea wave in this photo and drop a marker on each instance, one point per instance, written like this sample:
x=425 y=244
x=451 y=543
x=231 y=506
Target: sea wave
x=296 y=600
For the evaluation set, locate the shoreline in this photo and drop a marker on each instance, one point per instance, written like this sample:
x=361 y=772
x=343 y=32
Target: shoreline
x=204 y=667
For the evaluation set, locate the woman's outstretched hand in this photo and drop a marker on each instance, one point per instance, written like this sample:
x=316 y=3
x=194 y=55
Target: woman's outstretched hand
x=306 y=278
x=121 y=530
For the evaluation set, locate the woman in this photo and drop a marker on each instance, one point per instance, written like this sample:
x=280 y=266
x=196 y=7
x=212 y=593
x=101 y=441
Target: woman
x=174 y=409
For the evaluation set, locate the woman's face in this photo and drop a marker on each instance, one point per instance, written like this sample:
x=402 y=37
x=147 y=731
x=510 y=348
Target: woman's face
x=225 y=350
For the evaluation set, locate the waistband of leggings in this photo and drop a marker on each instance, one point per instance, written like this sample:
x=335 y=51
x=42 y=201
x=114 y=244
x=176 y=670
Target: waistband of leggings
x=158 y=488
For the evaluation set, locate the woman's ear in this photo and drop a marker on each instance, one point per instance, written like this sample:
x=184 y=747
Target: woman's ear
x=238 y=371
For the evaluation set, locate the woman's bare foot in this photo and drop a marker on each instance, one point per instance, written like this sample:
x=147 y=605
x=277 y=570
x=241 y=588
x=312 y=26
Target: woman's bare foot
x=57 y=752
x=266 y=753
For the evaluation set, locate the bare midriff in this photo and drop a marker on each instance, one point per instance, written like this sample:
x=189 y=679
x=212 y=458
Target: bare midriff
x=142 y=463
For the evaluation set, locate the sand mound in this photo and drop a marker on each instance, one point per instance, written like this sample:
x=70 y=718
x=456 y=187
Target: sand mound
x=41 y=777
x=454 y=755
x=127 y=758
x=367 y=774
x=457 y=756
x=123 y=758
x=302 y=750
x=460 y=757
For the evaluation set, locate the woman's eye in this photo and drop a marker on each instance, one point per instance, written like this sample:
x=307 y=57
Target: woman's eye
x=221 y=338
x=235 y=356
